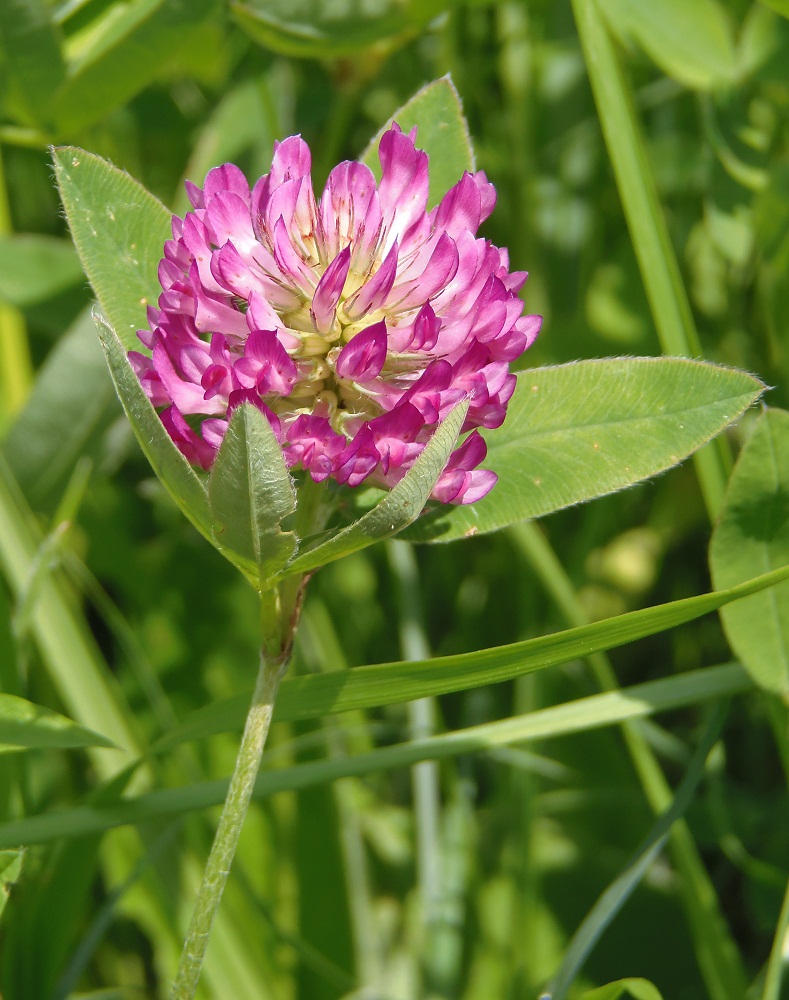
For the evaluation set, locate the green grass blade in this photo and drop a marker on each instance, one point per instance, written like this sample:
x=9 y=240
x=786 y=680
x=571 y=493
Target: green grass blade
x=579 y=716
x=25 y=726
x=657 y=260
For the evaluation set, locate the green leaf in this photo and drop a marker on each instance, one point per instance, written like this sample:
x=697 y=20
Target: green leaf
x=399 y=507
x=34 y=268
x=578 y=431
x=752 y=536
x=250 y=491
x=319 y=29
x=176 y=474
x=32 y=59
x=690 y=40
x=119 y=230
x=314 y=696
x=639 y=989
x=437 y=113
x=620 y=890
x=25 y=726
x=578 y=716
x=129 y=46
x=10 y=870
x=57 y=425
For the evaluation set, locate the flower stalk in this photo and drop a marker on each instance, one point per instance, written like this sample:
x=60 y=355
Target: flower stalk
x=279 y=629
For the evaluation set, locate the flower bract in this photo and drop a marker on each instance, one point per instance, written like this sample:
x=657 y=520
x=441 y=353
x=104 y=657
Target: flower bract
x=355 y=321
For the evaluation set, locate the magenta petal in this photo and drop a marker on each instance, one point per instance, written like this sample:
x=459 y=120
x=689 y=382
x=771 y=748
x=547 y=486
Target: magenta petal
x=329 y=290
x=190 y=444
x=227 y=178
x=266 y=365
x=291 y=160
x=404 y=180
x=363 y=357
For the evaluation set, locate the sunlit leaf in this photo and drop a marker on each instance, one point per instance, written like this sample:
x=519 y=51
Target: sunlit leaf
x=119 y=230
x=752 y=536
x=25 y=726
x=578 y=431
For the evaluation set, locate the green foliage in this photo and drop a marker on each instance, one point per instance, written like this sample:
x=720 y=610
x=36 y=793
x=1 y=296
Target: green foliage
x=640 y=155
x=753 y=531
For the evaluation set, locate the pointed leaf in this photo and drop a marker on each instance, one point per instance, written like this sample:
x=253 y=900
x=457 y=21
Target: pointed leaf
x=119 y=230
x=177 y=475
x=578 y=431
x=752 y=536
x=399 y=507
x=442 y=133
x=638 y=989
x=25 y=726
x=250 y=492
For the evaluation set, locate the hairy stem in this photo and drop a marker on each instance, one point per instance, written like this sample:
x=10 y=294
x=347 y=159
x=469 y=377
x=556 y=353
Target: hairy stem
x=233 y=813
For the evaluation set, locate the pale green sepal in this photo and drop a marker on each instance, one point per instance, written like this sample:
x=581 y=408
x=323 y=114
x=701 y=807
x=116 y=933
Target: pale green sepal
x=442 y=132
x=752 y=536
x=250 y=492
x=578 y=431
x=173 y=470
x=25 y=726
x=399 y=507
x=119 y=229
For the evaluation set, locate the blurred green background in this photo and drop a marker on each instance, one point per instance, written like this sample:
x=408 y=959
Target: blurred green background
x=330 y=897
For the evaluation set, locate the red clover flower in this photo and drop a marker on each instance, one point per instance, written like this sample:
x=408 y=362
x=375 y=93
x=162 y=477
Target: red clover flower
x=354 y=323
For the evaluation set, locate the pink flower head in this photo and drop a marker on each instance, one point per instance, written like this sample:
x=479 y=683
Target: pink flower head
x=355 y=322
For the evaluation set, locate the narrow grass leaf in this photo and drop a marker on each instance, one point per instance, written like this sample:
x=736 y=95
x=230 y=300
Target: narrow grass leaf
x=399 y=507
x=620 y=890
x=580 y=716
x=177 y=475
x=442 y=131
x=250 y=491
x=25 y=726
x=752 y=536
x=577 y=431
x=119 y=230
